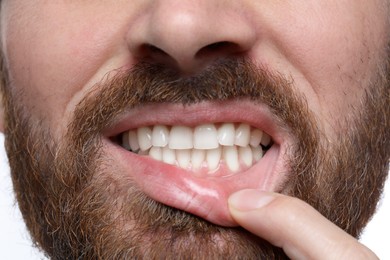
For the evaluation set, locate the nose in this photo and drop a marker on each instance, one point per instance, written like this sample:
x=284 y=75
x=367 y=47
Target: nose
x=187 y=34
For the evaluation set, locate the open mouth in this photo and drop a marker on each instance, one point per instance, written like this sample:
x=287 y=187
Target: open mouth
x=194 y=157
x=202 y=150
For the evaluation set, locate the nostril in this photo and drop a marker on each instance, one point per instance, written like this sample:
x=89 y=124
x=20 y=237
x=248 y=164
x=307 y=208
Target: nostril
x=149 y=50
x=188 y=65
x=222 y=48
x=153 y=53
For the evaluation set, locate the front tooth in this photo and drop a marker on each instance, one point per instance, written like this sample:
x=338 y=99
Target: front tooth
x=160 y=136
x=183 y=158
x=257 y=153
x=226 y=134
x=133 y=141
x=197 y=158
x=242 y=135
x=180 y=137
x=255 y=138
x=168 y=155
x=156 y=153
x=213 y=157
x=265 y=140
x=231 y=157
x=144 y=138
x=205 y=137
x=245 y=155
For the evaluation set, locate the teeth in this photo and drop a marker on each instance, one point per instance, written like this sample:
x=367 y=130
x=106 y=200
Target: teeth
x=205 y=137
x=160 y=136
x=183 y=158
x=144 y=138
x=125 y=141
x=226 y=134
x=168 y=155
x=143 y=152
x=242 y=135
x=213 y=157
x=255 y=138
x=156 y=153
x=257 y=153
x=133 y=141
x=181 y=137
x=202 y=147
x=265 y=140
x=197 y=158
x=230 y=155
x=245 y=155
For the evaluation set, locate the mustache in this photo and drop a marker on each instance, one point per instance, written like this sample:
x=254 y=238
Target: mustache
x=223 y=80
x=149 y=83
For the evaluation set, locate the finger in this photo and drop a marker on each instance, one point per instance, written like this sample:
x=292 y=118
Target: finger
x=295 y=226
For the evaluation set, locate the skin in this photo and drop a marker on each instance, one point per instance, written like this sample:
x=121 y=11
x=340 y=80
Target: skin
x=265 y=216
x=76 y=43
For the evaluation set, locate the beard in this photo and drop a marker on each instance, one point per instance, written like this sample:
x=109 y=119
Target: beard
x=76 y=205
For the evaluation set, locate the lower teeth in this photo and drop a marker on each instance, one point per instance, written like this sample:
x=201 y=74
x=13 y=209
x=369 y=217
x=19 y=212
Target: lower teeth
x=234 y=157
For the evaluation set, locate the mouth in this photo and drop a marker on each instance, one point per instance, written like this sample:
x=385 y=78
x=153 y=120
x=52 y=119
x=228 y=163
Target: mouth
x=193 y=157
x=213 y=149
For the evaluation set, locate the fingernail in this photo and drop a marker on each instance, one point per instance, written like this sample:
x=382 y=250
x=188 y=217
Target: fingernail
x=247 y=200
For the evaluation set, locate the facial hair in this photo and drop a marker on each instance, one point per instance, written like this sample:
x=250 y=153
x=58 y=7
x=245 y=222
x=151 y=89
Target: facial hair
x=76 y=206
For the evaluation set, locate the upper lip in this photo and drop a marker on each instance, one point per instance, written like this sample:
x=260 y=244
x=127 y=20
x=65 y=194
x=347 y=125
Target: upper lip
x=205 y=197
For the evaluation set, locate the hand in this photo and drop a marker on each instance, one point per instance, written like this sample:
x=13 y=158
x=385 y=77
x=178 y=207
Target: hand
x=294 y=226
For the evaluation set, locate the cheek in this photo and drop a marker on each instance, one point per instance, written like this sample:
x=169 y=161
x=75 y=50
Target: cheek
x=332 y=50
x=55 y=56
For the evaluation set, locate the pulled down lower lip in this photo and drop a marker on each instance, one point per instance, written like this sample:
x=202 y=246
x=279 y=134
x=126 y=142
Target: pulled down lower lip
x=204 y=195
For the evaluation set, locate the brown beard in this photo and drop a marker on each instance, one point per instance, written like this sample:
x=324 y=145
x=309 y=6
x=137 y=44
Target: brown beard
x=76 y=206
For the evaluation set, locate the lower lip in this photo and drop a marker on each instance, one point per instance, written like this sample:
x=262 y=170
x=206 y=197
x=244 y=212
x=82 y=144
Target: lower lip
x=204 y=197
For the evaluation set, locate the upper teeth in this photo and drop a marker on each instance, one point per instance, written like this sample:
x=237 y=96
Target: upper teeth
x=238 y=145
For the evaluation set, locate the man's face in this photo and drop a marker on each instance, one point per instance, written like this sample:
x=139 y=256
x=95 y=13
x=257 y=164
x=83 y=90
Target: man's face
x=129 y=123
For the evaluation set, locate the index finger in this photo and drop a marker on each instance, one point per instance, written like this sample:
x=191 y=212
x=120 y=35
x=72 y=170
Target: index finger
x=295 y=226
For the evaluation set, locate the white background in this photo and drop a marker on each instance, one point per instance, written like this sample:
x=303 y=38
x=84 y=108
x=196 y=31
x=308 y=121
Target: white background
x=15 y=243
